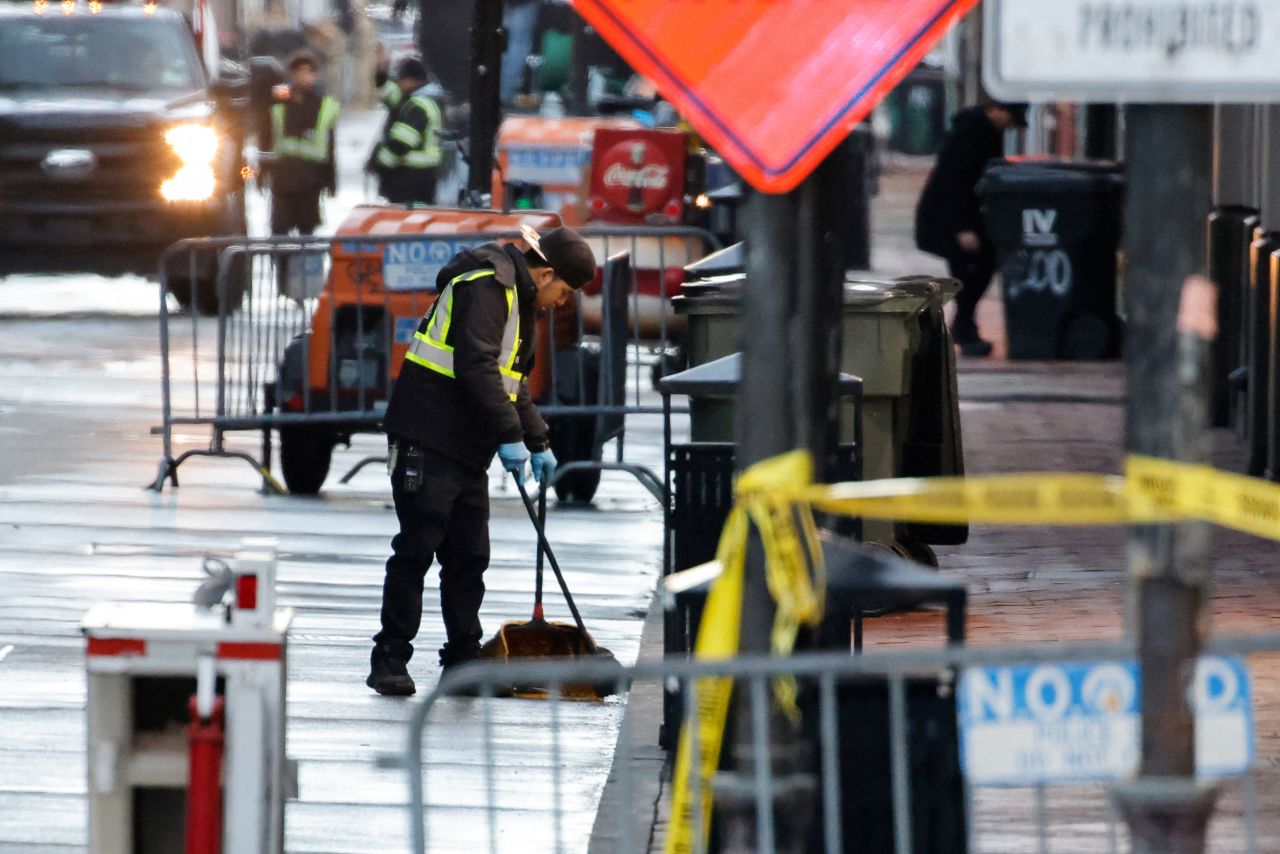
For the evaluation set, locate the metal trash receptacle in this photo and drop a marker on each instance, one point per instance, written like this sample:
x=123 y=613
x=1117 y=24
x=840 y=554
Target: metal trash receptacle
x=895 y=339
x=1056 y=229
x=699 y=474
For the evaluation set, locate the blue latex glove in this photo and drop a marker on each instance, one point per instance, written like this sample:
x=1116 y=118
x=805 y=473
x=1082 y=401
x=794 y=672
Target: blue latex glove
x=514 y=455
x=544 y=466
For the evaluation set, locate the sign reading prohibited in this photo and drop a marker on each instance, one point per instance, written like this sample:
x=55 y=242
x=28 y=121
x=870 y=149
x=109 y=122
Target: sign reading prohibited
x=1133 y=50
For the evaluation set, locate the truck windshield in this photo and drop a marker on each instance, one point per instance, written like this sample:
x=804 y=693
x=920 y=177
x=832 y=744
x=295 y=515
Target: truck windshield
x=128 y=55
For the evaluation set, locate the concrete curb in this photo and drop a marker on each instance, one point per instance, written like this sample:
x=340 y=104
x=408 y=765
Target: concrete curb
x=644 y=818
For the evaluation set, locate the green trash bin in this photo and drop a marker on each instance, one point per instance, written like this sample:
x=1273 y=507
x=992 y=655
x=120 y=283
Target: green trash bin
x=894 y=338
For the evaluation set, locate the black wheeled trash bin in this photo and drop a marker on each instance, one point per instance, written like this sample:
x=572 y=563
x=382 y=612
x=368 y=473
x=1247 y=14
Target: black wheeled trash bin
x=862 y=580
x=1056 y=228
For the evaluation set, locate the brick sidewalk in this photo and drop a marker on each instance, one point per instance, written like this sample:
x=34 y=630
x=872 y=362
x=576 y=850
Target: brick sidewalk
x=1039 y=585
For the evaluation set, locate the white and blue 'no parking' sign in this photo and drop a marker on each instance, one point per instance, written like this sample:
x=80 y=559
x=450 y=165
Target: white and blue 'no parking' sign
x=1074 y=721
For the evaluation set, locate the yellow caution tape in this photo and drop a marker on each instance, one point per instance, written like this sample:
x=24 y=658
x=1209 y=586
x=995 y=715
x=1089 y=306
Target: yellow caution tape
x=793 y=556
x=779 y=497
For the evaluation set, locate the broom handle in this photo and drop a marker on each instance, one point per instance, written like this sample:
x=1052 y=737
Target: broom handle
x=542 y=525
x=544 y=546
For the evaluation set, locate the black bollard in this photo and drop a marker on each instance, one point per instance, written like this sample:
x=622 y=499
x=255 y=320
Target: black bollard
x=1231 y=230
x=1258 y=366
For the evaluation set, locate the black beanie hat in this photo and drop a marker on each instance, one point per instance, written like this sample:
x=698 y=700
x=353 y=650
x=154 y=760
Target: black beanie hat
x=568 y=254
x=411 y=68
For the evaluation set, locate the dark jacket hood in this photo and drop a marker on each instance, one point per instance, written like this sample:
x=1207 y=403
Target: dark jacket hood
x=506 y=261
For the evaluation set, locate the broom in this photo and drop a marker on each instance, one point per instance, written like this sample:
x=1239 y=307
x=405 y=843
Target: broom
x=540 y=638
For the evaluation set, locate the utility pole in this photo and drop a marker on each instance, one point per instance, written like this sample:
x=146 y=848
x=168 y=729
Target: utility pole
x=1169 y=350
x=488 y=40
x=789 y=334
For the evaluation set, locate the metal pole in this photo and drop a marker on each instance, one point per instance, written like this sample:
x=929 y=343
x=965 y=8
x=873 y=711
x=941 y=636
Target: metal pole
x=1169 y=343
x=487 y=41
x=790 y=341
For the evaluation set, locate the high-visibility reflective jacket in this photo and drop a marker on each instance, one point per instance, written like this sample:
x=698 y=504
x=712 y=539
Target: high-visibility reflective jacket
x=302 y=144
x=430 y=347
x=462 y=389
x=412 y=138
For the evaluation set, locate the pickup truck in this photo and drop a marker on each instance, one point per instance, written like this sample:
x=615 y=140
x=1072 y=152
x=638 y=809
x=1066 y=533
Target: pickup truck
x=115 y=143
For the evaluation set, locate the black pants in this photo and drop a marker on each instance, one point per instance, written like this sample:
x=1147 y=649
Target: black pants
x=974 y=270
x=447 y=520
x=295 y=210
x=403 y=186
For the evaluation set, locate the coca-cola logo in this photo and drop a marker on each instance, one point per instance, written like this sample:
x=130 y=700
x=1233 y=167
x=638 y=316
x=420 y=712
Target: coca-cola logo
x=634 y=179
x=653 y=176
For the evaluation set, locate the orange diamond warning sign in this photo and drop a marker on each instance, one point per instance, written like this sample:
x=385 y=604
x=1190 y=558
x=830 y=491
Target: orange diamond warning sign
x=773 y=85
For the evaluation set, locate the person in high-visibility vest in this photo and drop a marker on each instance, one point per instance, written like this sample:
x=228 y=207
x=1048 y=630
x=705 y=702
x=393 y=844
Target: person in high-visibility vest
x=301 y=166
x=407 y=158
x=461 y=397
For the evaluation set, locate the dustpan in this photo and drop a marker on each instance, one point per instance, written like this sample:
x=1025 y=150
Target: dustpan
x=539 y=638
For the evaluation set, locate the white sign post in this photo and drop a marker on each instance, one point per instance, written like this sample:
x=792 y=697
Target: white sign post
x=1142 y=51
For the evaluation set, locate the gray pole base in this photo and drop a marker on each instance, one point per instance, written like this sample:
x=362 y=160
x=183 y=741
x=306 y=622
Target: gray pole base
x=1166 y=815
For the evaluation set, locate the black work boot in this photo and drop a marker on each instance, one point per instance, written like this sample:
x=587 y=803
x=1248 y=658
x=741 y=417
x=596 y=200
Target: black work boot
x=453 y=654
x=389 y=675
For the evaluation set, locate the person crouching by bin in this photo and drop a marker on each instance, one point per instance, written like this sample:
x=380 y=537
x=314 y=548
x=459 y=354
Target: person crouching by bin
x=301 y=165
x=460 y=398
x=407 y=158
x=949 y=214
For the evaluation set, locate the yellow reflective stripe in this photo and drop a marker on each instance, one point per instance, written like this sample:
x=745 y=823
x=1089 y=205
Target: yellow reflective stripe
x=387 y=157
x=447 y=298
x=422 y=159
x=315 y=147
x=439 y=345
x=428 y=151
x=513 y=344
x=329 y=110
x=277 y=126
x=431 y=366
x=473 y=275
x=389 y=93
x=406 y=134
x=448 y=316
x=429 y=106
x=511 y=383
x=441 y=318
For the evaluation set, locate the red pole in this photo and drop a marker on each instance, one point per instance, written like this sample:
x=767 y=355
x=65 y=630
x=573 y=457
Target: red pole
x=204 y=781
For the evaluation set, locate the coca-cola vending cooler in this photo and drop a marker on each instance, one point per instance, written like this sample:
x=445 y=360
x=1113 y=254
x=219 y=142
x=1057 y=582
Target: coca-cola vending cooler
x=638 y=176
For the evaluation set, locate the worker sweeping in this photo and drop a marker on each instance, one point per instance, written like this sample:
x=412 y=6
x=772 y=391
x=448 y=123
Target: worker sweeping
x=460 y=398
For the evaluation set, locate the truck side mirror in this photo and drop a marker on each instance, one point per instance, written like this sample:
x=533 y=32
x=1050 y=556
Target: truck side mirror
x=231 y=85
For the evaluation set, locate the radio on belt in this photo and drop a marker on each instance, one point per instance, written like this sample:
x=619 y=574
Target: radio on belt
x=180 y=696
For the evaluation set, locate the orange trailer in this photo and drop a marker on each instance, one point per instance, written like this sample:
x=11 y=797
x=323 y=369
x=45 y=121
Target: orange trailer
x=381 y=281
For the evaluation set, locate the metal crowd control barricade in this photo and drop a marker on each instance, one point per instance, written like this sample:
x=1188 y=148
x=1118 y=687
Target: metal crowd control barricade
x=858 y=760
x=310 y=332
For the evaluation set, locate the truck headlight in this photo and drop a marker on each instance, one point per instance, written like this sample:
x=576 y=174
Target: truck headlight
x=197 y=148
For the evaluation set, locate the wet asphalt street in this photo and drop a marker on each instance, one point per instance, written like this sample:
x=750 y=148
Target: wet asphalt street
x=79 y=394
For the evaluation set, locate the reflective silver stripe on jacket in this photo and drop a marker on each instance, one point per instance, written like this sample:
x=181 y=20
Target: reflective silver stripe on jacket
x=314 y=146
x=429 y=349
